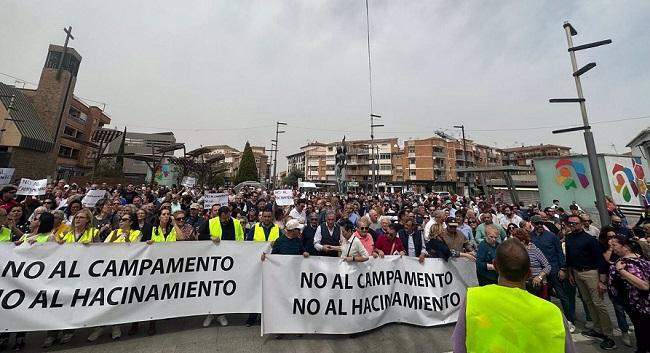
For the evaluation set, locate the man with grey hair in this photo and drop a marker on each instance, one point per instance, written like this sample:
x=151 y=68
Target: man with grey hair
x=327 y=238
x=373 y=215
x=438 y=218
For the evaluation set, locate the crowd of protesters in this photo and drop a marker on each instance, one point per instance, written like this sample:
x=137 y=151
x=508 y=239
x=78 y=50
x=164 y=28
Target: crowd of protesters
x=569 y=257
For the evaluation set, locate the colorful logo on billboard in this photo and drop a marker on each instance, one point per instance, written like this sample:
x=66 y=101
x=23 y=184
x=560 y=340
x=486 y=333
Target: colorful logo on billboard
x=565 y=177
x=630 y=182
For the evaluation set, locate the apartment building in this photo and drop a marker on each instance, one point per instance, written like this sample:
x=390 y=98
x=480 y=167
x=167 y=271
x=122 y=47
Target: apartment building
x=232 y=158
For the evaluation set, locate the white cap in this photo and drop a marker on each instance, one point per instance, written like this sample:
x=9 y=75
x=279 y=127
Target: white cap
x=294 y=224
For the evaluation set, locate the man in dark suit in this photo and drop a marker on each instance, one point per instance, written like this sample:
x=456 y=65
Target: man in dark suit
x=412 y=240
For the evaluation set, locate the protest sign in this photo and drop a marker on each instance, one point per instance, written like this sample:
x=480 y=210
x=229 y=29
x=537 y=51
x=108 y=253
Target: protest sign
x=5 y=175
x=51 y=286
x=283 y=197
x=32 y=187
x=188 y=181
x=215 y=199
x=327 y=295
x=91 y=198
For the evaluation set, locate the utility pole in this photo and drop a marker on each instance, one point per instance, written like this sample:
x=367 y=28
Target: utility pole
x=462 y=129
x=275 y=160
x=589 y=137
x=372 y=149
x=268 y=174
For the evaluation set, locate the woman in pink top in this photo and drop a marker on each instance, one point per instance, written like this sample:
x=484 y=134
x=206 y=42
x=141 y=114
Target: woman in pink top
x=363 y=235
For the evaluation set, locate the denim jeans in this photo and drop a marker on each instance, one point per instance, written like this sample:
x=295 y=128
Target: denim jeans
x=558 y=287
x=619 y=310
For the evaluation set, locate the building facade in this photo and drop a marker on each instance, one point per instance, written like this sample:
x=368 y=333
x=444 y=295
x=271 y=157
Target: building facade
x=232 y=158
x=49 y=132
x=141 y=144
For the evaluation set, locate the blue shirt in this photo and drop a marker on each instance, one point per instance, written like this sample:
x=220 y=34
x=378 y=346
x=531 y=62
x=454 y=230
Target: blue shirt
x=486 y=255
x=466 y=230
x=550 y=246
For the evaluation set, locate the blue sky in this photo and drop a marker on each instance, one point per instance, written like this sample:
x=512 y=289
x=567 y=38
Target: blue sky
x=201 y=66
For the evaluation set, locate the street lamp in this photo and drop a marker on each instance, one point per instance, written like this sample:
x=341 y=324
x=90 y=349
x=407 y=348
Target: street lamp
x=372 y=149
x=462 y=129
x=589 y=137
x=275 y=160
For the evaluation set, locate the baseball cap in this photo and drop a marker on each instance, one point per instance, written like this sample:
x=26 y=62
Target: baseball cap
x=293 y=224
x=195 y=206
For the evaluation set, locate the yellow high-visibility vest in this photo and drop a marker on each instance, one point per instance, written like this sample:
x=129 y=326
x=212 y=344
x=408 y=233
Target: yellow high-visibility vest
x=86 y=237
x=259 y=235
x=5 y=234
x=158 y=237
x=134 y=235
x=503 y=319
x=215 y=228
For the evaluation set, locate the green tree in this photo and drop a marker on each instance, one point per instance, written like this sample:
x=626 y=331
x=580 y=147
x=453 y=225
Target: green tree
x=106 y=168
x=292 y=178
x=247 y=168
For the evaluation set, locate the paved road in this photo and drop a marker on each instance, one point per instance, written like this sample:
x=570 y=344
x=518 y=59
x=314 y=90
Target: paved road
x=187 y=335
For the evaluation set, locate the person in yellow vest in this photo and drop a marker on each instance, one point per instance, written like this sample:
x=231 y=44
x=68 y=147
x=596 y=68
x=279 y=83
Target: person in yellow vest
x=225 y=227
x=82 y=230
x=504 y=317
x=40 y=229
x=163 y=230
x=5 y=230
x=127 y=232
x=265 y=230
x=124 y=234
x=221 y=227
x=60 y=227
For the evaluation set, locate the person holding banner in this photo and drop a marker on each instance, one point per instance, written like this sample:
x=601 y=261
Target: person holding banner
x=40 y=229
x=82 y=230
x=60 y=228
x=265 y=230
x=388 y=243
x=224 y=227
x=164 y=229
x=184 y=231
x=126 y=233
x=351 y=248
x=328 y=236
x=487 y=310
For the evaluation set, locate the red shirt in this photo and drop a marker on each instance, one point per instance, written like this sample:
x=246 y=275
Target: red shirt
x=8 y=205
x=384 y=244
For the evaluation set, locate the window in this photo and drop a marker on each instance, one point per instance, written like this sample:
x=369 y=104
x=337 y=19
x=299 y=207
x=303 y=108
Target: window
x=385 y=167
x=384 y=156
x=411 y=160
x=68 y=152
x=74 y=113
x=68 y=131
x=411 y=149
x=412 y=173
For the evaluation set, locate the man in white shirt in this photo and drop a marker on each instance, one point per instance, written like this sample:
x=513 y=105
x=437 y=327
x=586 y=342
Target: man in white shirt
x=438 y=217
x=509 y=217
x=351 y=248
x=298 y=213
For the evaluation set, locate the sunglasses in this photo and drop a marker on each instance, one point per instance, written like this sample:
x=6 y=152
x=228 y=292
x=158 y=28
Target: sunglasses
x=125 y=220
x=364 y=228
x=179 y=219
x=47 y=202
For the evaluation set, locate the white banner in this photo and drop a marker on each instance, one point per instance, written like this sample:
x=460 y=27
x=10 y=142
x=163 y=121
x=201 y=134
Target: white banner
x=91 y=198
x=5 y=175
x=51 y=286
x=327 y=295
x=32 y=187
x=283 y=197
x=188 y=181
x=220 y=199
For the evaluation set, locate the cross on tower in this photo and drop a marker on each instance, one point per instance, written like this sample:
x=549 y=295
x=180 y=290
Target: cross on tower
x=68 y=36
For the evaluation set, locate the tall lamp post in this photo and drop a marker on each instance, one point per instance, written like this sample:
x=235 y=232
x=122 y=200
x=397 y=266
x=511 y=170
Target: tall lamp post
x=275 y=160
x=589 y=137
x=462 y=129
x=372 y=149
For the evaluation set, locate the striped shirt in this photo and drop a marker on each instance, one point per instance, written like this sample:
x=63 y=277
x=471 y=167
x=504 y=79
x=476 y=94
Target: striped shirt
x=538 y=262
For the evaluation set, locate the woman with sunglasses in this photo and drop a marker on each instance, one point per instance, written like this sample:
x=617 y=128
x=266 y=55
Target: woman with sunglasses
x=184 y=231
x=82 y=230
x=73 y=207
x=126 y=233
